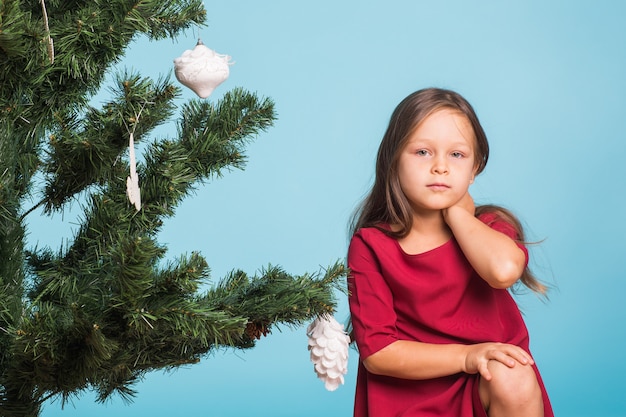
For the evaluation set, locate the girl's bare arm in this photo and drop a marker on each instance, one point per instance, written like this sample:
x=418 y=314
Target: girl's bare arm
x=494 y=255
x=414 y=360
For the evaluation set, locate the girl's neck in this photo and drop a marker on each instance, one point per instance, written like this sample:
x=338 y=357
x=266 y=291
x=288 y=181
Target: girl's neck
x=427 y=233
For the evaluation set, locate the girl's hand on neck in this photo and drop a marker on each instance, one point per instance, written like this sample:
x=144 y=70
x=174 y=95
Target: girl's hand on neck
x=466 y=204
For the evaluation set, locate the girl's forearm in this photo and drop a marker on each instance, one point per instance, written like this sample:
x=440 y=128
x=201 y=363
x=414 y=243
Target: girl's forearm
x=415 y=360
x=494 y=256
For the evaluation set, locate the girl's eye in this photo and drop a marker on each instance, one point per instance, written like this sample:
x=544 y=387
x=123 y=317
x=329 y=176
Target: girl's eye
x=457 y=155
x=421 y=152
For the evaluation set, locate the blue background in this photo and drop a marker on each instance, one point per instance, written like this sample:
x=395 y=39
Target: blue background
x=548 y=80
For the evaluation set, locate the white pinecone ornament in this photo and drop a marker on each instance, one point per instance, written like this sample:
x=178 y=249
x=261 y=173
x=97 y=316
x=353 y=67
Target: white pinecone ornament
x=201 y=69
x=328 y=345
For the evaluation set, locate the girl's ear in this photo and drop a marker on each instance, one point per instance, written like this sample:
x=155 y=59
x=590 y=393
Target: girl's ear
x=471 y=181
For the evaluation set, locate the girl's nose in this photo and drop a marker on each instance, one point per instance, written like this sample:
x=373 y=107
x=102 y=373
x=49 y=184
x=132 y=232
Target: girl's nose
x=440 y=166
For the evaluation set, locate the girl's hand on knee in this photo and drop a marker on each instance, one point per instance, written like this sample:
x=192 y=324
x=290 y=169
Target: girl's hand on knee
x=478 y=356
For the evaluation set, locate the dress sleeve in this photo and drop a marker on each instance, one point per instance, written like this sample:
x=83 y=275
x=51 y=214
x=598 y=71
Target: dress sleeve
x=370 y=299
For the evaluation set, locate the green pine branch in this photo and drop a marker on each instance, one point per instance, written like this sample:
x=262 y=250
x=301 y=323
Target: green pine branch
x=108 y=307
x=89 y=37
x=85 y=151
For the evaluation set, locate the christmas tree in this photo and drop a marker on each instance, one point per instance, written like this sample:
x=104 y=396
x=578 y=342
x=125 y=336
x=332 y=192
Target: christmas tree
x=108 y=306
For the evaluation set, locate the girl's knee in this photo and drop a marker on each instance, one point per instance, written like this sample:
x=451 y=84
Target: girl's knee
x=511 y=386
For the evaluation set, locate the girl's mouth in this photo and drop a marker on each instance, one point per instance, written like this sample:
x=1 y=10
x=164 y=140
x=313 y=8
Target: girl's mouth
x=438 y=186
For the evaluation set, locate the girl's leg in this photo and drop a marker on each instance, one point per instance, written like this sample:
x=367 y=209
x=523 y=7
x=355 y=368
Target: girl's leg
x=512 y=392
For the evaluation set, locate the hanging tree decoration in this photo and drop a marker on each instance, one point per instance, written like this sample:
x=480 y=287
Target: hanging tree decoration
x=49 y=42
x=328 y=346
x=202 y=69
x=132 y=181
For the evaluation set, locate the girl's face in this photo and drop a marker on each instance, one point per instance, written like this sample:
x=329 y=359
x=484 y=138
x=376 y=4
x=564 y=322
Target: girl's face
x=437 y=165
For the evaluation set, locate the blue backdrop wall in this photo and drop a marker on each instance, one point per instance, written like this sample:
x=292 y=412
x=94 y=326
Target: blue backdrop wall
x=548 y=80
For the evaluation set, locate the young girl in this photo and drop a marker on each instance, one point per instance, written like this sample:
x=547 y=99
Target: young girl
x=437 y=331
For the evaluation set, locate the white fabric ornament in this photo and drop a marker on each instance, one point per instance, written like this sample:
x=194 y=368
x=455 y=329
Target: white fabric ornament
x=202 y=69
x=328 y=345
x=132 y=181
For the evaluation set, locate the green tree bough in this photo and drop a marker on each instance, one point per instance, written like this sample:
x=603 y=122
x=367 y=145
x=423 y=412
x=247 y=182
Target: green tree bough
x=108 y=307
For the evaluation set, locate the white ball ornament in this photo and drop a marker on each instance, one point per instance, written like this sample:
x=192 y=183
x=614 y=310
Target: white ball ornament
x=202 y=69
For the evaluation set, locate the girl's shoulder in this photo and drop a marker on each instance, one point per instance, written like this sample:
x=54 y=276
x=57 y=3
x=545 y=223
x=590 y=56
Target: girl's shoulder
x=375 y=238
x=500 y=221
x=377 y=232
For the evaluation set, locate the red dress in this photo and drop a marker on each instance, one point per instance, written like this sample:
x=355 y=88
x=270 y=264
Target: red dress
x=432 y=297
